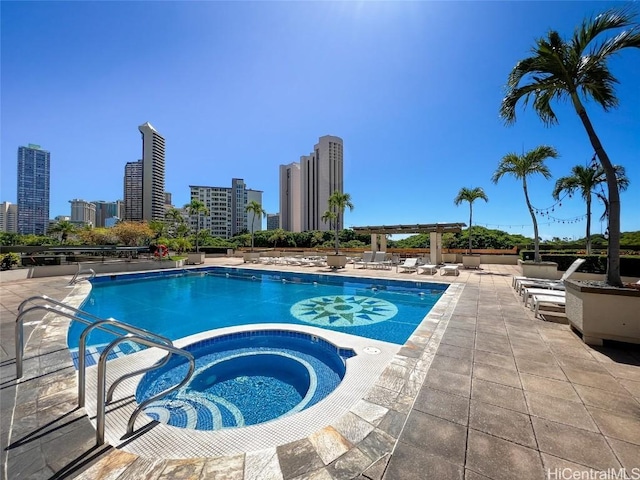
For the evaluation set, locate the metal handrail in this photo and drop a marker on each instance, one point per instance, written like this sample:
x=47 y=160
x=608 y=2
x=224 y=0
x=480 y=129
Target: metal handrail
x=80 y=270
x=82 y=352
x=102 y=370
x=19 y=328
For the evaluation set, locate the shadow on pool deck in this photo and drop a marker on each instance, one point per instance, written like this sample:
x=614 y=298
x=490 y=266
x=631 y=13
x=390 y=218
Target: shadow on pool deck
x=505 y=396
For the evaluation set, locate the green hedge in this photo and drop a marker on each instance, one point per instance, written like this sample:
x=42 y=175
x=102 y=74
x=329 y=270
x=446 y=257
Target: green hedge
x=629 y=266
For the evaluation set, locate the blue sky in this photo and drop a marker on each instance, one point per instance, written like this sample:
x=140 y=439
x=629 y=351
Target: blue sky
x=238 y=88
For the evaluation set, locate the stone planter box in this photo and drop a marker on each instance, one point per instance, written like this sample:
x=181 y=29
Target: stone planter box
x=603 y=313
x=539 y=270
x=449 y=257
x=471 y=261
x=336 y=261
x=251 y=257
x=195 y=258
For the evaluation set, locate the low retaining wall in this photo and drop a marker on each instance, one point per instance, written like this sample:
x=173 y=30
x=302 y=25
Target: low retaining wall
x=99 y=267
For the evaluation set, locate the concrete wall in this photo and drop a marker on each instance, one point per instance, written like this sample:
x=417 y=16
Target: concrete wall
x=99 y=267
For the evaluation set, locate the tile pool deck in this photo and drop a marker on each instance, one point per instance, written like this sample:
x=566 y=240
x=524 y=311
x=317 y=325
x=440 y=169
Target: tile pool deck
x=485 y=392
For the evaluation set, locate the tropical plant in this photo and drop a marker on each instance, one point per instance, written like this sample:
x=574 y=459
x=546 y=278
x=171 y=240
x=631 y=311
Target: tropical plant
x=256 y=209
x=196 y=209
x=63 y=228
x=133 y=234
x=576 y=69
x=585 y=180
x=522 y=166
x=277 y=235
x=470 y=195
x=175 y=222
x=337 y=203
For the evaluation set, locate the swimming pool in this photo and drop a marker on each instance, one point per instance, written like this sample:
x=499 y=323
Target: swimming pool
x=178 y=305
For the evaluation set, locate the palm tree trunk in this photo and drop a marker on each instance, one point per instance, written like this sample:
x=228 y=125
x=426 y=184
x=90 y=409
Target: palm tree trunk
x=589 y=224
x=337 y=237
x=197 y=232
x=470 y=217
x=536 y=242
x=253 y=219
x=613 y=249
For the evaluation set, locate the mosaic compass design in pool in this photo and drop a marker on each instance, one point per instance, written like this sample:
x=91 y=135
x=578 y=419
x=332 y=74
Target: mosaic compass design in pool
x=343 y=310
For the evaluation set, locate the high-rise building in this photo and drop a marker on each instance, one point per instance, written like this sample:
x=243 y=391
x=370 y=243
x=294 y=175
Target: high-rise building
x=108 y=210
x=83 y=212
x=273 y=221
x=133 y=191
x=144 y=195
x=226 y=208
x=34 y=171
x=8 y=217
x=253 y=196
x=153 y=166
x=290 y=199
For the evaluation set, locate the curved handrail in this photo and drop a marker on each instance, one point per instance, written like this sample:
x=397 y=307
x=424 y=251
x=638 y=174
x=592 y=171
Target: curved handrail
x=82 y=352
x=102 y=369
x=75 y=278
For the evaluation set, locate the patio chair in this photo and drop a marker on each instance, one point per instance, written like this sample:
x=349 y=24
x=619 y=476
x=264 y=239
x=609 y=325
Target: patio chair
x=555 y=291
x=538 y=300
x=379 y=261
x=409 y=265
x=423 y=267
x=366 y=258
x=450 y=269
x=522 y=282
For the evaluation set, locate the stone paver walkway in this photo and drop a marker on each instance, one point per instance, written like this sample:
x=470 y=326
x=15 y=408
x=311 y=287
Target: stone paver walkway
x=502 y=395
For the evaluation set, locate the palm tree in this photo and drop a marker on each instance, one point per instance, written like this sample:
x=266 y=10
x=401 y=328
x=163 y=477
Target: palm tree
x=338 y=202
x=175 y=218
x=64 y=228
x=585 y=180
x=257 y=209
x=560 y=70
x=197 y=208
x=522 y=166
x=470 y=195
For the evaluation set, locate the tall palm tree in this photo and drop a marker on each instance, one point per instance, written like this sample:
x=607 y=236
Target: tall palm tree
x=585 y=180
x=175 y=218
x=470 y=195
x=257 y=209
x=576 y=69
x=522 y=166
x=196 y=208
x=338 y=202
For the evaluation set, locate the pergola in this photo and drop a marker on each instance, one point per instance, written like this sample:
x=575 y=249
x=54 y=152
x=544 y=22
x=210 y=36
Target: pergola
x=435 y=231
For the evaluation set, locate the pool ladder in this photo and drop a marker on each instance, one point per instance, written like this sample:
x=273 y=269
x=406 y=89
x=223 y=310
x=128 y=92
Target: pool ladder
x=131 y=334
x=76 y=277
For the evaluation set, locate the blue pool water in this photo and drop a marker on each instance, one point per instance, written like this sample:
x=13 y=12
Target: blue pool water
x=244 y=379
x=180 y=305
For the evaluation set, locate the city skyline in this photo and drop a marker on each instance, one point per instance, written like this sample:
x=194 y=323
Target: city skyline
x=239 y=89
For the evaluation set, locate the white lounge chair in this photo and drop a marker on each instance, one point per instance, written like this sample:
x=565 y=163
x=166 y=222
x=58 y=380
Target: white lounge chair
x=522 y=282
x=422 y=268
x=366 y=258
x=409 y=265
x=379 y=261
x=531 y=291
x=447 y=269
x=538 y=300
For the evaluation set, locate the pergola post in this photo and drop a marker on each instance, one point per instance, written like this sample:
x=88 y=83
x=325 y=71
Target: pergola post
x=383 y=243
x=435 y=244
x=374 y=242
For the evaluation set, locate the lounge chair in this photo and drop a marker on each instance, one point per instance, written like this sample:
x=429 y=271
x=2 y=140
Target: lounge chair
x=451 y=268
x=422 y=268
x=531 y=291
x=379 y=261
x=522 y=282
x=538 y=300
x=366 y=258
x=409 y=265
